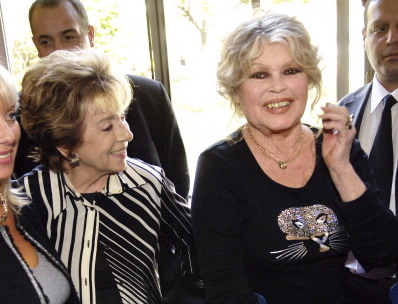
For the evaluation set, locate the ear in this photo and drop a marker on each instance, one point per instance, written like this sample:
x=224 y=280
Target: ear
x=64 y=151
x=91 y=35
x=363 y=34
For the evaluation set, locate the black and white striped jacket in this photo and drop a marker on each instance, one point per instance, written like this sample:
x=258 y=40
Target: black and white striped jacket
x=126 y=218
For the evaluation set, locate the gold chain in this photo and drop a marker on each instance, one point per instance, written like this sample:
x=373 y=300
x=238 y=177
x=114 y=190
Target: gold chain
x=282 y=164
x=3 y=217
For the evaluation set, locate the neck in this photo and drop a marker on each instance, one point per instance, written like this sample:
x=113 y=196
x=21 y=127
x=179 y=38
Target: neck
x=281 y=143
x=86 y=182
x=289 y=156
x=390 y=84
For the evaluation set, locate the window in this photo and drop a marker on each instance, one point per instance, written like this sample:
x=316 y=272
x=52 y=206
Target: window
x=120 y=31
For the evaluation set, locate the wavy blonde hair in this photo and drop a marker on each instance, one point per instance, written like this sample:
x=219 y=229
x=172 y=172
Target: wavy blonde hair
x=246 y=43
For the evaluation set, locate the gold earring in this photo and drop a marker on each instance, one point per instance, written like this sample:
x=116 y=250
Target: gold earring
x=74 y=160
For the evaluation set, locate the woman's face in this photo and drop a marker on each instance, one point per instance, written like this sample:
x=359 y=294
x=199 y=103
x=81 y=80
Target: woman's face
x=274 y=96
x=10 y=134
x=104 y=144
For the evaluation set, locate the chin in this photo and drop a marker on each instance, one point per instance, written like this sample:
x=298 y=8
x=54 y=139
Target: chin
x=5 y=174
x=120 y=168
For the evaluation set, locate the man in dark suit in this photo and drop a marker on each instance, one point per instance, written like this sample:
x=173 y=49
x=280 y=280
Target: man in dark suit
x=60 y=24
x=380 y=35
x=63 y=24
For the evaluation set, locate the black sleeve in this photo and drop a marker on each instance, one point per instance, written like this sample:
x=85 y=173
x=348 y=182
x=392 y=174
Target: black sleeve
x=373 y=228
x=217 y=222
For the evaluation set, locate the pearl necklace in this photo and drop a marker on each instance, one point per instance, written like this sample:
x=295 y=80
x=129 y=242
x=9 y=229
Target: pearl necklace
x=3 y=202
x=282 y=164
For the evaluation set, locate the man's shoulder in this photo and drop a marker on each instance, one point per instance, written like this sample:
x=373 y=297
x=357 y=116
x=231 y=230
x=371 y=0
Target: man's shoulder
x=143 y=82
x=148 y=94
x=359 y=94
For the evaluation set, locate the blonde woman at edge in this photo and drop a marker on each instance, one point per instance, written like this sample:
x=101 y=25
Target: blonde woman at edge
x=30 y=272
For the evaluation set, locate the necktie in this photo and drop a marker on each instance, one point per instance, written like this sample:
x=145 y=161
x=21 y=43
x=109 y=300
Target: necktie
x=381 y=156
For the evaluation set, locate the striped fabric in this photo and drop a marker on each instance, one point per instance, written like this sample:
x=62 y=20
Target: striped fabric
x=126 y=218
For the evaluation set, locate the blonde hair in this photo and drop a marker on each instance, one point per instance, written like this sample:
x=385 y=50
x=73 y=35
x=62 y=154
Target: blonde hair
x=56 y=93
x=246 y=42
x=9 y=96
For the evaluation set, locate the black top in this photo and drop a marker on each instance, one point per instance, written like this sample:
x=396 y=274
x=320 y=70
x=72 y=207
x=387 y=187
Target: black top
x=157 y=139
x=17 y=283
x=287 y=244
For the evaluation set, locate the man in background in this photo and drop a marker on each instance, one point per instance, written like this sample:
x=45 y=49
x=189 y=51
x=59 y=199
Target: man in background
x=380 y=36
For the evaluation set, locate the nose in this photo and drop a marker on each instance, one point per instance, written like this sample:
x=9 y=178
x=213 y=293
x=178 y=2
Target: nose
x=58 y=45
x=277 y=84
x=7 y=137
x=124 y=133
x=392 y=37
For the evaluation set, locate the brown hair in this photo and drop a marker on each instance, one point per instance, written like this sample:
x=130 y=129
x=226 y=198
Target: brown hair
x=56 y=93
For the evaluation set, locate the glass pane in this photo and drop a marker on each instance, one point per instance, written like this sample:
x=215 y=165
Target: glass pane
x=357 y=52
x=193 y=49
x=120 y=31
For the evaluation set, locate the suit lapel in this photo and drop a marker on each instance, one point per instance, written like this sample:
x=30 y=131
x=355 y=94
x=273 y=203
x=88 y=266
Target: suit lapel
x=358 y=103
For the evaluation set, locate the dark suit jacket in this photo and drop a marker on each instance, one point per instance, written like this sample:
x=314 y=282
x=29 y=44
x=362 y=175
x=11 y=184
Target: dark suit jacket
x=356 y=103
x=157 y=139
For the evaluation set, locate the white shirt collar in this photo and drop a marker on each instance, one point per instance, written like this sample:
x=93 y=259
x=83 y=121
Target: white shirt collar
x=378 y=93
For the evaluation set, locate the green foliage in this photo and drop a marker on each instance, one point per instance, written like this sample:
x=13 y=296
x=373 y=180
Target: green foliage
x=23 y=54
x=105 y=29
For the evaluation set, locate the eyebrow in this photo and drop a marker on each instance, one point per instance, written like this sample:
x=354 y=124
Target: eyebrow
x=287 y=64
x=107 y=118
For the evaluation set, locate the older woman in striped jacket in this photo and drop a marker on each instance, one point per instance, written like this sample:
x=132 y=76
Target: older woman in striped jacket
x=103 y=211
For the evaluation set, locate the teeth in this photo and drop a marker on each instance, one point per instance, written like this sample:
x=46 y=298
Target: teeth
x=277 y=105
x=5 y=155
x=118 y=152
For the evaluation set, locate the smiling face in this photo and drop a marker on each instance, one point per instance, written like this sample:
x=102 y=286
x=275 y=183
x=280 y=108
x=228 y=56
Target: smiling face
x=105 y=139
x=59 y=28
x=274 y=96
x=9 y=138
x=381 y=41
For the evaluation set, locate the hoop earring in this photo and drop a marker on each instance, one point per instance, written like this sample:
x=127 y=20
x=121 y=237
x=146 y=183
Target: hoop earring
x=74 y=160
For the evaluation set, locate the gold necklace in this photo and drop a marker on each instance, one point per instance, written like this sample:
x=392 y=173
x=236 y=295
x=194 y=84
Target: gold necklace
x=3 y=217
x=282 y=164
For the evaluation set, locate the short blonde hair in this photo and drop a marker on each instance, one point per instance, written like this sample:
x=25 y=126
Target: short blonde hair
x=8 y=90
x=56 y=93
x=246 y=42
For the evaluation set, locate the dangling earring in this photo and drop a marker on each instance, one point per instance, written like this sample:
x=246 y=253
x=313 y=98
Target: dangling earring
x=4 y=203
x=73 y=160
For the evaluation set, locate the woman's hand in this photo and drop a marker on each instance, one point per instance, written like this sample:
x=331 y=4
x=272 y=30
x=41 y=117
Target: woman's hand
x=338 y=136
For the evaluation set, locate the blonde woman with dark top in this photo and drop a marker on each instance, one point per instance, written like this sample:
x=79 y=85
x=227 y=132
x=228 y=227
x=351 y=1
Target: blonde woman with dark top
x=278 y=205
x=30 y=271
